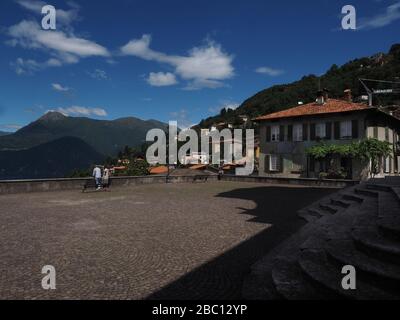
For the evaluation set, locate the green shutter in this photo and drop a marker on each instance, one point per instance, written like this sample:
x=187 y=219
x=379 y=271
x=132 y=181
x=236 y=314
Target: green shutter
x=305 y=132
x=280 y=169
x=266 y=163
x=268 y=137
x=312 y=131
x=337 y=130
x=290 y=133
x=354 y=129
x=328 y=129
x=281 y=133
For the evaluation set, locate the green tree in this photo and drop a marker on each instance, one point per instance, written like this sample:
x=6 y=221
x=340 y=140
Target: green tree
x=373 y=150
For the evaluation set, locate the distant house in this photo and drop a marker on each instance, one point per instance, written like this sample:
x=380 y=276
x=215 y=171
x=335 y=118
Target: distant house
x=158 y=170
x=285 y=136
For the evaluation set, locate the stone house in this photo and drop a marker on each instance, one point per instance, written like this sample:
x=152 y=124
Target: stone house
x=286 y=135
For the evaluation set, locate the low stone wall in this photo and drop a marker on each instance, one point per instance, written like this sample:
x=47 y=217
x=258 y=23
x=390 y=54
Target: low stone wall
x=295 y=181
x=42 y=185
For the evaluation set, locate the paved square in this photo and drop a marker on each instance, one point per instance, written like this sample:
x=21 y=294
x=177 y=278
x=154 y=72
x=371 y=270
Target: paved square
x=175 y=241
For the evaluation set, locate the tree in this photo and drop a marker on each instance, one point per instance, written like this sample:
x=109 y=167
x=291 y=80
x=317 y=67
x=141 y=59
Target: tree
x=368 y=150
x=374 y=151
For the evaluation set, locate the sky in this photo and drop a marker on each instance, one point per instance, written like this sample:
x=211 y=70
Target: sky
x=180 y=60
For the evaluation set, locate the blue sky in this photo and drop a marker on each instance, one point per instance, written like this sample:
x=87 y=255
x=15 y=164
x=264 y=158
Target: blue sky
x=172 y=60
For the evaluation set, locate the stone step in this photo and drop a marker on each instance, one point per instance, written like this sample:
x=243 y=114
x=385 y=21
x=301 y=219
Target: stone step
x=316 y=266
x=329 y=208
x=341 y=203
x=389 y=214
x=309 y=216
x=396 y=191
x=366 y=192
x=378 y=187
x=291 y=284
x=370 y=241
x=351 y=196
x=381 y=273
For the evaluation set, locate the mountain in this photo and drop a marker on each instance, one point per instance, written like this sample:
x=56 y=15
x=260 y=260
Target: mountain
x=2 y=133
x=54 y=159
x=380 y=66
x=106 y=137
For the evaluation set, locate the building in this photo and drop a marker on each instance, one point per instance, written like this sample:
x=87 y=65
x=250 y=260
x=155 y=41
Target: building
x=286 y=135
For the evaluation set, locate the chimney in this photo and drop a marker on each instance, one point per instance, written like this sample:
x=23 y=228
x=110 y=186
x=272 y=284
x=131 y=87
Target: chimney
x=326 y=94
x=347 y=95
x=321 y=97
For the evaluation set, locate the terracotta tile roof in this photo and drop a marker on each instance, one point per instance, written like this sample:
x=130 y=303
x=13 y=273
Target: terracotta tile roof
x=158 y=170
x=331 y=106
x=198 y=167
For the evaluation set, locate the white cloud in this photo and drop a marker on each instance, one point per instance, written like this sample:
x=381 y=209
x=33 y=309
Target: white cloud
x=28 y=34
x=98 y=74
x=224 y=105
x=64 y=48
x=11 y=126
x=391 y=14
x=204 y=66
x=161 y=79
x=82 y=111
x=182 y=118
x=30 y=66
x=269 y=71
x=59 y=87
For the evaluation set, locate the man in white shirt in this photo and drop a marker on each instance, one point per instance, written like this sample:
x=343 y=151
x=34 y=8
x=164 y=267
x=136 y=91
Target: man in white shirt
x=97 y=177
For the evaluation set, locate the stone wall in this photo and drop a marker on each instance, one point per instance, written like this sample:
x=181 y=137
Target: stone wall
x=294 y=181
x=40 y=185
x=45 y=185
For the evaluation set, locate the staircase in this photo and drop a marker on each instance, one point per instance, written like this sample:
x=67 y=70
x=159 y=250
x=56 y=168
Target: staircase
x=358 y=226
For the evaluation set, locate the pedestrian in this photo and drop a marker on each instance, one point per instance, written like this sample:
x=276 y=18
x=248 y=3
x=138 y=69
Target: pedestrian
x=220 y=171
x=97 y=177
x=106 y=177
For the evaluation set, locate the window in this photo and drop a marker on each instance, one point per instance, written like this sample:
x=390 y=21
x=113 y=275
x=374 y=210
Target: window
x=298 y=132
x=275 y=133
x=320 y=130
x=345 y=130
x=274 y=162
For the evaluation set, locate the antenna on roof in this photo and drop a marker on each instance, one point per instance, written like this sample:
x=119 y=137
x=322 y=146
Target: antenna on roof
x=372 y=91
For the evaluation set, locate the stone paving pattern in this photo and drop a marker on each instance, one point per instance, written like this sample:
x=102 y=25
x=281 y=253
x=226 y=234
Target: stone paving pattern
x=161 y=241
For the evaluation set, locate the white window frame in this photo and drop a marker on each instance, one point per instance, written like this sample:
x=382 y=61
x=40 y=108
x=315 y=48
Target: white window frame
x=320 y=130
x=274 y=163
x=346 y=130
x=275 y=133
x=298 y=132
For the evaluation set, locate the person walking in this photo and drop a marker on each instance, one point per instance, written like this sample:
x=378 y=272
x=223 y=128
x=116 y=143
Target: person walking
x=97 y=177
x=106 y=177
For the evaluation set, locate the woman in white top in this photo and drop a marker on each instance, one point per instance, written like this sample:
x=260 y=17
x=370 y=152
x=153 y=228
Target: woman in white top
x=106 y=177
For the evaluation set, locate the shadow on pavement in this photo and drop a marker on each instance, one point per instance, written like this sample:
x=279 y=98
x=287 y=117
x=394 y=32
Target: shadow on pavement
x=222 y=277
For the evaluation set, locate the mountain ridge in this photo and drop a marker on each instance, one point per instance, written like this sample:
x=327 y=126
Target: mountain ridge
x=54 y=159
x=105 y=136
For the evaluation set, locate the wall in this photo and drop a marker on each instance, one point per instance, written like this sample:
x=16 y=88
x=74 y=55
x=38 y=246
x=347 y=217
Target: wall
x=48 y=185
x=41 y=185
x=292 y=181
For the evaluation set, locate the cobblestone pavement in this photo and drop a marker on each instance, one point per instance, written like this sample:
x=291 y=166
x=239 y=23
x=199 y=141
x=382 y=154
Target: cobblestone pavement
x=184 y=241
